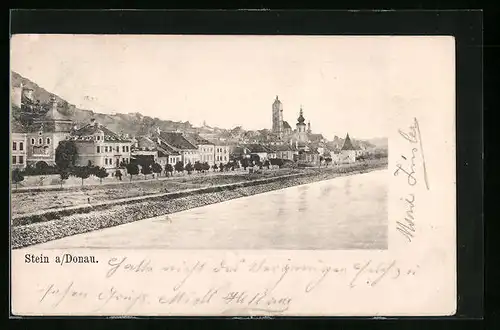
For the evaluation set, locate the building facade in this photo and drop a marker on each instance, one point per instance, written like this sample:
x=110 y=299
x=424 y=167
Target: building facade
x=187 y=151
x=348 y=152
x=18 y=142
x=301 y=128
x=205 y=148
x=98 y=146
x=46 y=133
x=221 y=152
x=277 y=117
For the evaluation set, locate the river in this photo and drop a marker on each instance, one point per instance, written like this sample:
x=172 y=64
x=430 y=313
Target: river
x=347 y=212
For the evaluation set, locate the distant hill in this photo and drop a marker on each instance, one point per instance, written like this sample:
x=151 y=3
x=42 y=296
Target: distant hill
x=132 y=123
x=381 y=142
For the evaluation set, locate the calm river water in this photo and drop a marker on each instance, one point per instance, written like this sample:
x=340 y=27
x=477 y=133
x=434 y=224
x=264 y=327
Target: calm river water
x=343 y=213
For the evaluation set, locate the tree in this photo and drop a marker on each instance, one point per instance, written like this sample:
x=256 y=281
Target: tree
x=189 y=168
x=101 y=173
x=328 y=160
x=215 y=167
x=169 y=169
x=205 y=167
x=146 y=169
x=197 y=167
x=244 y=163
x=66 y=154
x=221 y=167
x=320 y=160
x=118 y=174
x=179 y=166
x=82 y=172
x=156 y=168
x=17 y=176
x=267 y=164
x=132 y=169
x=63 y=176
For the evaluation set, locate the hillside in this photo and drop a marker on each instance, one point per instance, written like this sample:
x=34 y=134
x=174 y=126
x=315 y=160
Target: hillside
x=381 y=142
x=132 y=123
x=136 y=124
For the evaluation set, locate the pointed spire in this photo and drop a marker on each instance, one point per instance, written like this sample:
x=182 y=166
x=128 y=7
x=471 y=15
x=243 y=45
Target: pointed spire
x=347 y=143
x=301 y=116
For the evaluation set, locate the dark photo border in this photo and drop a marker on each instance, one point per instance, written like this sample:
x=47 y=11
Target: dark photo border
x=465 y=25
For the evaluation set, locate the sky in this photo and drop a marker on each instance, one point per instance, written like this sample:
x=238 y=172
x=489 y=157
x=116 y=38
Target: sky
x=227 y=81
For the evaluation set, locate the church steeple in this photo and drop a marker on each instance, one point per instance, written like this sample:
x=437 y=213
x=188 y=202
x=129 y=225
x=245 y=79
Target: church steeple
x=301 y=119
x=348 y=143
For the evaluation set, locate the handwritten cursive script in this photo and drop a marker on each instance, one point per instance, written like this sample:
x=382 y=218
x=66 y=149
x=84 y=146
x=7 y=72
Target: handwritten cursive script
x=414 y=137
x=407 y=226
x=234 y=286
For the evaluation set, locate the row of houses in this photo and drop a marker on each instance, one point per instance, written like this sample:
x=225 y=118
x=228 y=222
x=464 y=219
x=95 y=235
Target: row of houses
x=300 y=152
x=99 y=146
x=172 y=147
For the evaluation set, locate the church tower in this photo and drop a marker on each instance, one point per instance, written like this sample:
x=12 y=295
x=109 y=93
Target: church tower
x=277 y=117
x=301 y=127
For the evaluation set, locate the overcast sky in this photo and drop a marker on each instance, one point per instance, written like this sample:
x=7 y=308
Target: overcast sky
x=341 y=82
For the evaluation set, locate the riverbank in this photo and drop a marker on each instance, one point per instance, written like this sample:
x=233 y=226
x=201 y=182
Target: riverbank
x=34 y=230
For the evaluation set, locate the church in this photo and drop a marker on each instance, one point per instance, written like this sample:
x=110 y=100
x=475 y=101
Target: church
x=307 y=146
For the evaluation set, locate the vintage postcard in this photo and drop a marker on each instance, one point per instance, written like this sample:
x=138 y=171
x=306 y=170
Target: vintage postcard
x=213 y=175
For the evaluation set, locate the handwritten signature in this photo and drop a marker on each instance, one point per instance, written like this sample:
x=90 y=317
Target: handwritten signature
x=407 y=226
x=414 y=137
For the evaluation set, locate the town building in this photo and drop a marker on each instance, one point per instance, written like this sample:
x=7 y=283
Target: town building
x=177 y=142
x=144 y=148
x=277 y=117
x=221 y=152
x=99 y=146
x=239 y=152
x=284 y=151
x=18 y=145
x=301 y=128
x=205 y=148
x=258 y=150
x=46 y=133
x=348 y=152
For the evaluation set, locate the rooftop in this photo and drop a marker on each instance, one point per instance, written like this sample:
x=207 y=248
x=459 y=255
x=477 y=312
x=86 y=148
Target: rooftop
x=88 y=131
x=176 y=140
x=348 y=144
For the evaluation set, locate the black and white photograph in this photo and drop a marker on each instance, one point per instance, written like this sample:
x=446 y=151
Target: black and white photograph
x=135 y=142
x=229 y=175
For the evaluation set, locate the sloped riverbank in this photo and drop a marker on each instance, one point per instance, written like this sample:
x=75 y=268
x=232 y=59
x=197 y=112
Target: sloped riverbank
x=35 y=229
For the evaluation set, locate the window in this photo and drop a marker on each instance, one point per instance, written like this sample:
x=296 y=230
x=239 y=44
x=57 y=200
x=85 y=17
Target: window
x=40 y=141
x=21 y=160
x=98 y=138
x=98 y=149
x=106 y=150
x=14 y=145
x=48 y=141
x=21 y=146
x=32 y=141
x=123 y=149
x=225 y=158
x=105 y=161
x=14 y=158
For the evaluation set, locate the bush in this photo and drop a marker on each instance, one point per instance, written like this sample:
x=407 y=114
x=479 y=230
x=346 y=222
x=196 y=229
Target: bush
x=17 y=176
x=132 y=169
